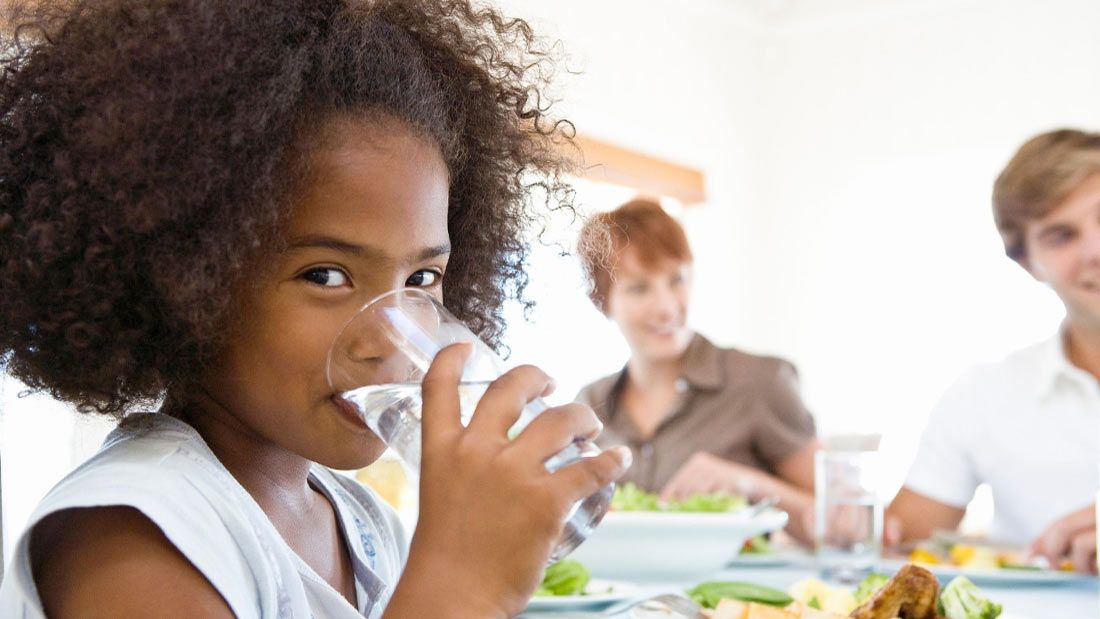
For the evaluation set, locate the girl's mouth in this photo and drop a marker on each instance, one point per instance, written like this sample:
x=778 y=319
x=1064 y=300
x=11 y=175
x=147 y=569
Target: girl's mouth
x=348 y=411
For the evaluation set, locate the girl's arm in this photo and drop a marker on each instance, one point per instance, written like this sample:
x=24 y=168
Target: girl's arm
x=115 y=562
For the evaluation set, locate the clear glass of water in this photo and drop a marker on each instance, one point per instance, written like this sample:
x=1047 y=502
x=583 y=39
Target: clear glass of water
x=848 y=514
x=376 y=365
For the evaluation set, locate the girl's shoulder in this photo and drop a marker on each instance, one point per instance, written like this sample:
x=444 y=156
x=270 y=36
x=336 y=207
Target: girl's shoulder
x=160 y=468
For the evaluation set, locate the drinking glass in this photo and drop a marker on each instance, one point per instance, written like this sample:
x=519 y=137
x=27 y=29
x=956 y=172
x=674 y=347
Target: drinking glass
x=378 y=361
x=848 y=513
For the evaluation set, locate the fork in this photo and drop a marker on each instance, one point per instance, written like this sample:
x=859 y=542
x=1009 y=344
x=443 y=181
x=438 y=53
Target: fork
x=678 y=604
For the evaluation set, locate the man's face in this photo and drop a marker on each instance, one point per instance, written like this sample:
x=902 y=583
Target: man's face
x=1063 y=251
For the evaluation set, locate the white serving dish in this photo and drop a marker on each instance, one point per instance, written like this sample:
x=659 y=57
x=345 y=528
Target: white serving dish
x=671 y=545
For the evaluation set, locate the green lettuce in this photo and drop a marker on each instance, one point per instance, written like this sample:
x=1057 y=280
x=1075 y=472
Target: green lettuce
x=566 y=577
x=869 y=586
x=630 y=498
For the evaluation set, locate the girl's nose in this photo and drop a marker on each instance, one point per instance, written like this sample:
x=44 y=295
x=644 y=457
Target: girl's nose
x=363 y=355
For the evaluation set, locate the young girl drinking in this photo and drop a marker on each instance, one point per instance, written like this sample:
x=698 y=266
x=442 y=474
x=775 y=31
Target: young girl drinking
x=195 y=195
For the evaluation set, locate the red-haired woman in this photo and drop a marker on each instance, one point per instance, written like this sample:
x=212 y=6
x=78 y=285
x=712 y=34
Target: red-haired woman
x=698 y=418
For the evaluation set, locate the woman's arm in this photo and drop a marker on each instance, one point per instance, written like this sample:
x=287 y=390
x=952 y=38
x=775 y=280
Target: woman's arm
x=797 y=469
x=115 y=562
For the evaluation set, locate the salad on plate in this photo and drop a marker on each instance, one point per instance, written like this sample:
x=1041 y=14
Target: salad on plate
x=912 y=593
x=630 y=498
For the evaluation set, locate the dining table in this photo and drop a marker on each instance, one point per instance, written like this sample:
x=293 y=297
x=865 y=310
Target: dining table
x=1076 y=597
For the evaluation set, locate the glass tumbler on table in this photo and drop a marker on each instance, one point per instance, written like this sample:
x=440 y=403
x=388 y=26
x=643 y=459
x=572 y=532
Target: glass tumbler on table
x=848 y=513
x=378 y=361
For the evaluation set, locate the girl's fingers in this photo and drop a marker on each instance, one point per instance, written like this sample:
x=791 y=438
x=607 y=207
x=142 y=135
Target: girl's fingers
x=439 y=390
x=555 y=429
x=587 y=475
x=505 y=398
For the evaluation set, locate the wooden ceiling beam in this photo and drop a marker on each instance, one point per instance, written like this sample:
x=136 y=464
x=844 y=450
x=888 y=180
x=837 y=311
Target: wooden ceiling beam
x=607 y=163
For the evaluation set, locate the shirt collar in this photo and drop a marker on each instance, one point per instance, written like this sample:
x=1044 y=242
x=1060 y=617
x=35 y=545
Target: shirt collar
x=1055 y=366
x=702 y=366
x=702 y=369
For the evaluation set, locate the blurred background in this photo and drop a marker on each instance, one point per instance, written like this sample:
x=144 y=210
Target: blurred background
x=832 y=163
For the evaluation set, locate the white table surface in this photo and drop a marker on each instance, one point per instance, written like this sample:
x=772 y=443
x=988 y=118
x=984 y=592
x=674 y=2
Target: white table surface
x=1074 y=600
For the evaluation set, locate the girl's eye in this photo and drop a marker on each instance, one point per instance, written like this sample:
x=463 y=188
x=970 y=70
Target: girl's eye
x=424 y=278
x=328 y=277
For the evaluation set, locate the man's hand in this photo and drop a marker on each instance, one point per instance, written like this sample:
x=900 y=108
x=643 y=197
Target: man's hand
x=1071 y=538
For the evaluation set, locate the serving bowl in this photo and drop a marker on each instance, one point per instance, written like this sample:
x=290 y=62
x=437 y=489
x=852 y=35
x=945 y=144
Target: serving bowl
x=671 y=545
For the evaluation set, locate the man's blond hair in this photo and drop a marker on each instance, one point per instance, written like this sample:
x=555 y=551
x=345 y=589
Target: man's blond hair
x=1040 y=176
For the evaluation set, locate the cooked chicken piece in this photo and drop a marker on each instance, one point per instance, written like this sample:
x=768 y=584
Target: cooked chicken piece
x=910 y=594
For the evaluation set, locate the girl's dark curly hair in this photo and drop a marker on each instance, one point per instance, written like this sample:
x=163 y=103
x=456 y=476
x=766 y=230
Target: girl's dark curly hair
x=148 y=150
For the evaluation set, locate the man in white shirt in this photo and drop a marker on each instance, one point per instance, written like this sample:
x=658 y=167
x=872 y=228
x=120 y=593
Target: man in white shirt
x=1028 y=426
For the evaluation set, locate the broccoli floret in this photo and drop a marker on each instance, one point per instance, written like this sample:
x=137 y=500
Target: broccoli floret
x=567 y=577
x=869 y=586
x=962 y=599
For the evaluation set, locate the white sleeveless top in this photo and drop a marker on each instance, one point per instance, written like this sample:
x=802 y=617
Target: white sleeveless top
x=162 y=467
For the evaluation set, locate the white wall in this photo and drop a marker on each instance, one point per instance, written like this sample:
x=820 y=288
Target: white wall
x=888 y=126
x=849 y=148
x=677 y=80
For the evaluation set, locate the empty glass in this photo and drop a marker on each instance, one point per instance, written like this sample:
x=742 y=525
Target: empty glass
x=848 y=513
x=379 y=359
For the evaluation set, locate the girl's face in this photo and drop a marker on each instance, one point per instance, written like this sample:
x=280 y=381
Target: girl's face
x=372 y=217
x=650 y=305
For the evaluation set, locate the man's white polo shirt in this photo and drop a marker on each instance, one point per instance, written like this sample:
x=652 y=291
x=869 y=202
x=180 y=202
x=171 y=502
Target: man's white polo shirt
x=1029 y=426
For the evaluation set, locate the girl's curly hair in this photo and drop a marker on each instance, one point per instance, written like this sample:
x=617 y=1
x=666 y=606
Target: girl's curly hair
x=148 y=150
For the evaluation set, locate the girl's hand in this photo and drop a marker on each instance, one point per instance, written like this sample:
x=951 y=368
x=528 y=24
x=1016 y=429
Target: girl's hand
x=490 y=512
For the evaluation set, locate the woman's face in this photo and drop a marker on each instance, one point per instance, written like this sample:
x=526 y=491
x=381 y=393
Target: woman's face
x=650 y=305
x=372 y=218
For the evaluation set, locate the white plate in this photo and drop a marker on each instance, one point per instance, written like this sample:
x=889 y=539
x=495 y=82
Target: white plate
x=598 y=593
x=781 y=557
x=648 y=613
x=671 y=546
x=1001 y=577
x=651 y=613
